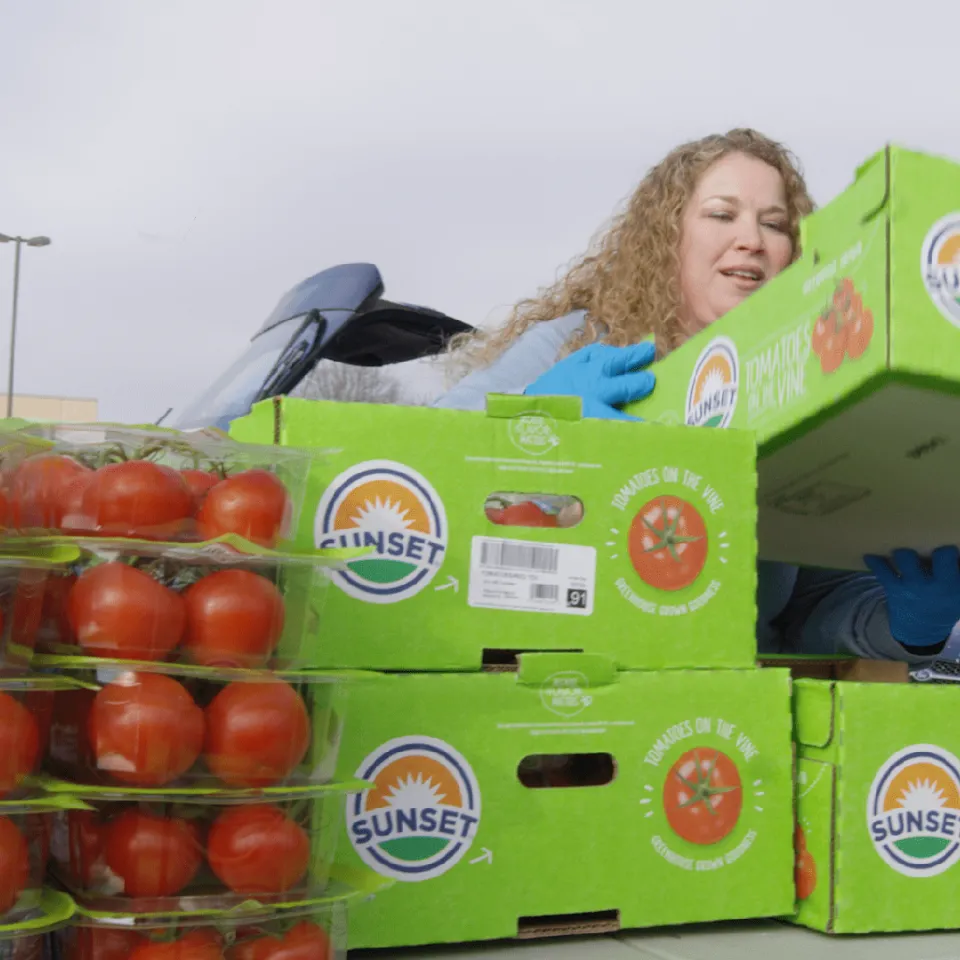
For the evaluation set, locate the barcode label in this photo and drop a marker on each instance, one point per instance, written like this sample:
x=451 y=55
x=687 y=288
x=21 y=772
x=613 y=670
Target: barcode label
x=544 y=591
x=519 y=556
x=538 y=577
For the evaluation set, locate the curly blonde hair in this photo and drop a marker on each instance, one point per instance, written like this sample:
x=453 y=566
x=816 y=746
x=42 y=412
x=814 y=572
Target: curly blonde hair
x=628 y=280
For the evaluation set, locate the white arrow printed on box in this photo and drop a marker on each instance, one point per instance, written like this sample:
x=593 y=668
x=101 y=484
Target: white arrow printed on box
x=451 y=582
x=487 y=856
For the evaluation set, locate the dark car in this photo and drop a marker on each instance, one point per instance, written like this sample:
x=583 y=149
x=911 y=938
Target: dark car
x=338 y=315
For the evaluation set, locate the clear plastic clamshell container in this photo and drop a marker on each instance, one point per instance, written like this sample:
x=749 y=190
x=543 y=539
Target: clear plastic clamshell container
x=150 y=483
x=151 y=853
x=314 y=930
x=210 y=606
x=152 y=726
x=32 y=938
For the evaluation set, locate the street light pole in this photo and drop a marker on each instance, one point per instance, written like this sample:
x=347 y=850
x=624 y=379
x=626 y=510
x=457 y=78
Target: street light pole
x=18 y=242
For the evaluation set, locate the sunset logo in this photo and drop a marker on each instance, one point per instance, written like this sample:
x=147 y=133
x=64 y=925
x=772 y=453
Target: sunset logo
x=712 y=393
x=940 y=266
x=422 y=815
x=390 y=508
x=913 y=811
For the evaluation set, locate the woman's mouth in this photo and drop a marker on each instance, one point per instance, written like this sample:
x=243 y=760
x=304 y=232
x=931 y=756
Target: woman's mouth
x=745 y=278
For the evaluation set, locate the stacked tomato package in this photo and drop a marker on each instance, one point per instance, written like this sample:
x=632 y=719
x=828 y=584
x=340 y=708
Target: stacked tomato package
x=188 y=748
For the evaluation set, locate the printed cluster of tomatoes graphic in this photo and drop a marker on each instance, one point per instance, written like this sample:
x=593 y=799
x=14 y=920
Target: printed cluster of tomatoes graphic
x=805 y=868
x=844 y=329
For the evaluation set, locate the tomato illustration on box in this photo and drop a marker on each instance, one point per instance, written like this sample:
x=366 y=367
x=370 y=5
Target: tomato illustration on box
x=566 y=791
x=524 y=529
x=858 y=339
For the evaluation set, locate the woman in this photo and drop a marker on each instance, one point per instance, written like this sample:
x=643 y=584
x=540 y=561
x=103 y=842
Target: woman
x=707 y=226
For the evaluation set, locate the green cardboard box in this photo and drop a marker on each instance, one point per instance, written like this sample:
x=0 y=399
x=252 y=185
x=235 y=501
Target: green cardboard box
x=878 y=802
x=607 y=830
x=847 y=367
x=659 y=572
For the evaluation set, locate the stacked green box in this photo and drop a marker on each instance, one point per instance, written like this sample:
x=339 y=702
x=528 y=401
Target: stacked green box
x=847 y=366
x=573 y=734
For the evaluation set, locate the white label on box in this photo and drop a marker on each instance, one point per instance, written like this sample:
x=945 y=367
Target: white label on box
x=524 y=575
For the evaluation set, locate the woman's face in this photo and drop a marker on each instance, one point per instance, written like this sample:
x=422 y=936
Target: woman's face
x=735 y=236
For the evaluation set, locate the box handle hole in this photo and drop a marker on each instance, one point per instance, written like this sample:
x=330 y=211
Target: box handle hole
x=546 y=771
x=507 y=509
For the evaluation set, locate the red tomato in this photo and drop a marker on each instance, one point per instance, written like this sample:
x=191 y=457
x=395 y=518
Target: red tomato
x=118 y=611
x=137 y=499
x=525 y=514
x=196 y=945
x=85 y=839
x=257 y=733
x=102 y=943
x=19 y=743
x=305 y=941
x=252 y=504
x=14 y=864
x=258 y=850
x=234 y=619
x=153 y=856
x=39 y=491
x=703 y=796
x=4 y=508
x=860 y=334
x=145 y=729
x=668 y=543
x=199 y=483
x=39 y=704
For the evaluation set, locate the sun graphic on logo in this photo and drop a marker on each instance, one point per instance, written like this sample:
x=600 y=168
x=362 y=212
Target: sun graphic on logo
x=382 y=504
x=949 y=251
x=921 y=795
x=714 y=380
x=415 y=790
x=378 y=514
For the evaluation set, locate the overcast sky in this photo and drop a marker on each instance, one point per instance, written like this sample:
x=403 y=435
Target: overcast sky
x=193 y=159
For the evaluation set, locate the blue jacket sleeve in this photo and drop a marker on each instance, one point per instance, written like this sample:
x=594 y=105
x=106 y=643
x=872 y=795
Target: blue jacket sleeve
x=530 y=356
x=830 y=612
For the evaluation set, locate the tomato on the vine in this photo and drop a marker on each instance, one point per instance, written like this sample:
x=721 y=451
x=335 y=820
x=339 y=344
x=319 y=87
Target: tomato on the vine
x=234 y=619
x=258 y=849
x=199 y=483
x=138 y=498
x=145 y=729
x=118 y=611
x=19 y=742
x=154 y=856
x=303 y=941
x=103 y=943
x=524 y=514
x=703 y=796
x=252 y=504
x=196 y=945
x=257 y=733
x=667 y=543
x=14 y=864
x=43 y=491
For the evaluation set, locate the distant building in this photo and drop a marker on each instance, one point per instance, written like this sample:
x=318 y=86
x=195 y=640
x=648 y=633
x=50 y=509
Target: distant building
x=57 y=409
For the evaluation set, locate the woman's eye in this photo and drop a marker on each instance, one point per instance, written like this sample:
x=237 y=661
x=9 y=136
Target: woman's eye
x=777 y=225
x=721 y=215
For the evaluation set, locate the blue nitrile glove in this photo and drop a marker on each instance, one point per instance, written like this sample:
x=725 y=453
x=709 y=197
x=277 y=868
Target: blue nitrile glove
x=604 y=377
x=923 y=599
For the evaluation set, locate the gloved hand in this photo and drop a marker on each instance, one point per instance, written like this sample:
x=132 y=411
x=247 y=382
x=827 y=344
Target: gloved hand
x=923 y=598
x=604 y=377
